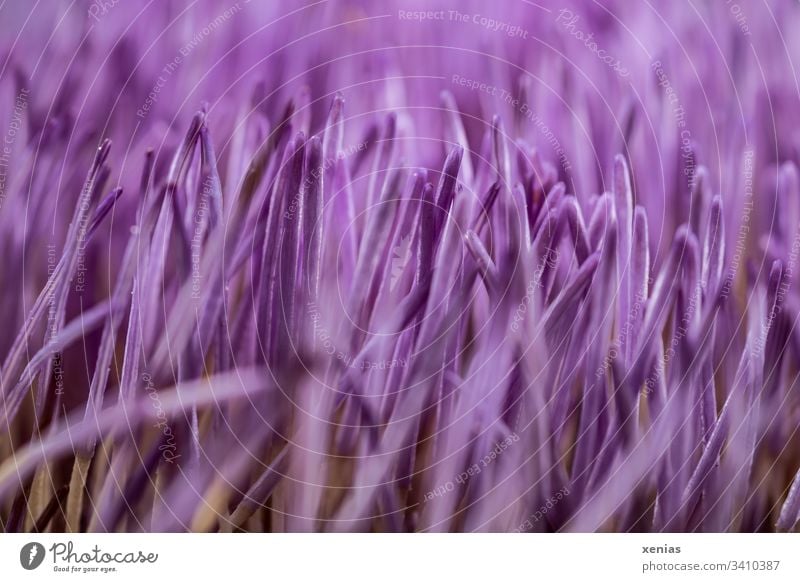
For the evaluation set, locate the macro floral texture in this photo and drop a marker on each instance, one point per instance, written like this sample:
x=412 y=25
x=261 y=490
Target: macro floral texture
x=399 y=266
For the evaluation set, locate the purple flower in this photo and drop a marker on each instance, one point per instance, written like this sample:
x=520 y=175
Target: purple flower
x=408 y=267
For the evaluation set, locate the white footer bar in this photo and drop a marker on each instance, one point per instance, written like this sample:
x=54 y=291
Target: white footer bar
x=401 y=557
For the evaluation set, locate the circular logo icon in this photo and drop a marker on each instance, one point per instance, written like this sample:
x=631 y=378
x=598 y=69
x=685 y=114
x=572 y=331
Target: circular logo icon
x=31 y=555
